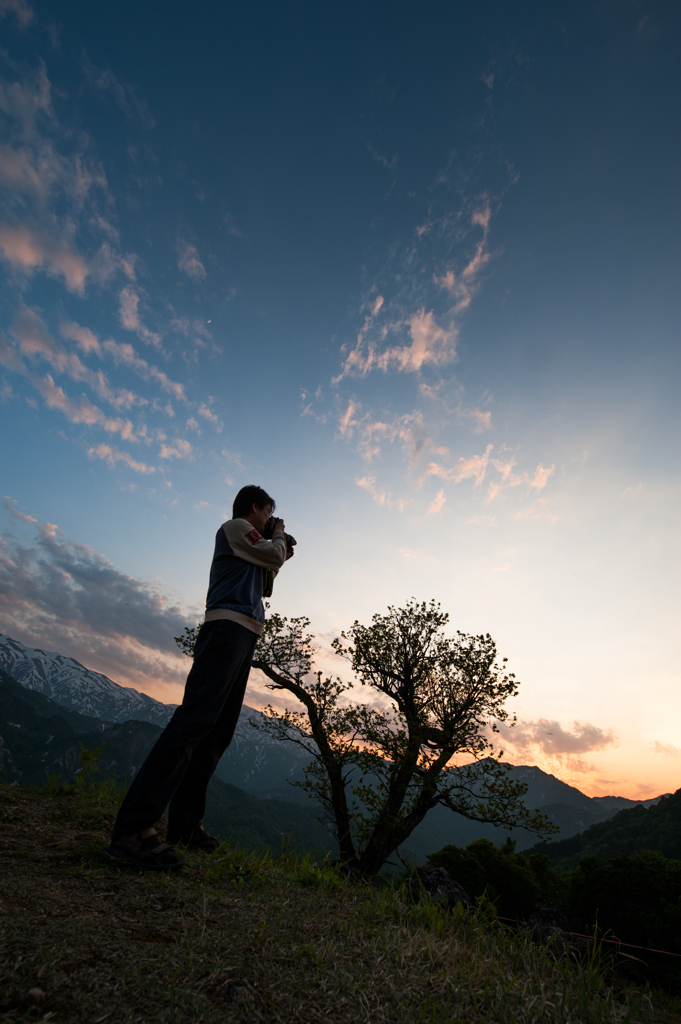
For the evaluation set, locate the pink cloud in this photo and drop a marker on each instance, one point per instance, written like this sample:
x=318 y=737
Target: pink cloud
x=207 y=413
x=475 y=468
x=28 y=250
x=430 y=343
x=113 y=455
x=130 y=318
x=437 y=504
x=179 y=449
x=368 y=484
x=35 y=341
x=541 y=476
x=83 y=336
x=479 y=420
x=124 y=353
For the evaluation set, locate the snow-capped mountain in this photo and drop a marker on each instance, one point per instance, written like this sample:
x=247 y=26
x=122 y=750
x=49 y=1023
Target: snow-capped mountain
x=254 y=761
x=67 y=682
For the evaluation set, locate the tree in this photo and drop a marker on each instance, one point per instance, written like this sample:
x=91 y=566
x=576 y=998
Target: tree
x=378 y=770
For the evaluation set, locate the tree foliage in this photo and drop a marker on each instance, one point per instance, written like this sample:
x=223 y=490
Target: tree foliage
x=378 y=768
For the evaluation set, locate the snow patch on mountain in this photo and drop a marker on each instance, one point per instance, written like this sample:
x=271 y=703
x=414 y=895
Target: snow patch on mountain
x=67 y=682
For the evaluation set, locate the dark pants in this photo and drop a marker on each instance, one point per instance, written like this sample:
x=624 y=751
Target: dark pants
x=181 y=763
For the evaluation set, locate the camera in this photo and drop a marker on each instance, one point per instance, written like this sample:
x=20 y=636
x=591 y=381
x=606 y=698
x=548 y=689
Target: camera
x=270 y=527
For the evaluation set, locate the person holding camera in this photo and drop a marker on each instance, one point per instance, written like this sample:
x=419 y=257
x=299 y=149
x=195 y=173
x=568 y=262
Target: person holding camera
x=249 y=550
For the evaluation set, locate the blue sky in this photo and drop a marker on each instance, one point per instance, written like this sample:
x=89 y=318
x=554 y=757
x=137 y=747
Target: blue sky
x=413 y=268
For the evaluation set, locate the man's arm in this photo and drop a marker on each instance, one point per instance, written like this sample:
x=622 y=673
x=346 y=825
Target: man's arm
x=247 y=543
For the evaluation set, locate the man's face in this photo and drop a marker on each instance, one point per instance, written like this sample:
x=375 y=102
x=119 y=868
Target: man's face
x=260 y=516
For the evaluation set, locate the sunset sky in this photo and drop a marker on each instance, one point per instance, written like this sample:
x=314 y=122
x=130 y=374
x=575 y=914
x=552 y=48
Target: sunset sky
x=412 y=267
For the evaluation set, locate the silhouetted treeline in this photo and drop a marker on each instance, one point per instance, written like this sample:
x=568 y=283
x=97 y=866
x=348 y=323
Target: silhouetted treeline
x=634 y=899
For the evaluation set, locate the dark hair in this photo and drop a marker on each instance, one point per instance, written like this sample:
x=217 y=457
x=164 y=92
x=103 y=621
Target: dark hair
x=249 y=496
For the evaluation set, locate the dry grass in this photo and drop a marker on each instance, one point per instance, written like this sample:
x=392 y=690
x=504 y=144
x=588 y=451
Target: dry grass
x=239 y=937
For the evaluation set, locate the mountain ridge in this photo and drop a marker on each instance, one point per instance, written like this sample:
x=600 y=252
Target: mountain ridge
x=264 y=767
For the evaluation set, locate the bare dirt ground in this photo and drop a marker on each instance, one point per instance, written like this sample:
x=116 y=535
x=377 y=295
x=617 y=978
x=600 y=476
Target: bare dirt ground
x=239 y=937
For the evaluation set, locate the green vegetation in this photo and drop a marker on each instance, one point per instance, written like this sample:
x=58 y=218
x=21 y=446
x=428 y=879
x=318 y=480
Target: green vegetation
x=245 y=937
x=515 y=884
x=629 y=832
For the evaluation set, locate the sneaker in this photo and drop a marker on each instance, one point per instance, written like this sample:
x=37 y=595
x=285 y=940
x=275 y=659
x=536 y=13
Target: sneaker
x=146 y=851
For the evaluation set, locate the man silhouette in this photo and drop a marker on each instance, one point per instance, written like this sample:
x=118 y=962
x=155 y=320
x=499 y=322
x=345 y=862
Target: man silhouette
x=181 y=764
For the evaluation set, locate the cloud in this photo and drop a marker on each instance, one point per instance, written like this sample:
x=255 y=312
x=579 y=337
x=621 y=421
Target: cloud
x=433 y=339
x=191 y=327
x=437 y=504
x=189 y=262
x=368 y=484
x=67 y=597
x=390 y=164
x=666 y=749
x=22 y=11
x=430 y=343
x=10 y=506
x=207 y=413
x=472 y=468
x=541 y=476
x=550 y=738
x=35 y=341
x=79 y=411
x=179 y=449
x=124 y=353
x=479 y=420
x=83 y=336
x=123 y=94
x=372 y=434
x=129 y=317
x=26 y=249
x=113 y=455
x=25 y=101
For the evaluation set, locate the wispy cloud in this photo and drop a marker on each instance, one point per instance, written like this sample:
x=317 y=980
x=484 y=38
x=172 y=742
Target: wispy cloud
x=124 y=95
x=22 y=11
x=437 y=504
x=189 y=262
x=80 y=411
x=208 y=414
x=113 y=455
x=129 y=317
x=372 y=434
x=381 y=497
x=35 y=341
x=422 y=337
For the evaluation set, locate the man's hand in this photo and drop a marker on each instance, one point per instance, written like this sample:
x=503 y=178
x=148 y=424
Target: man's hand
x=279 y=528
x=290 y=552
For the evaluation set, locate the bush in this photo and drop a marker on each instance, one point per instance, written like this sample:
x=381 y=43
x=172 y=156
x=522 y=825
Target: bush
x=515 y=884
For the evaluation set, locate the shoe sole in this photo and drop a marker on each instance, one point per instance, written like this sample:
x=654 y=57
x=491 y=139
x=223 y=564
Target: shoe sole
x=112 y=851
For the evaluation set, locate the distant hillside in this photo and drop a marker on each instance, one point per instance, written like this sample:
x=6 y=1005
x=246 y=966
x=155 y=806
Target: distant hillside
x=657 y=827
x=39 y=738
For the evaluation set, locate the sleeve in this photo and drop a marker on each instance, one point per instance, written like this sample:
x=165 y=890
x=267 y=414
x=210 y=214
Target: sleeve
x=247 y=543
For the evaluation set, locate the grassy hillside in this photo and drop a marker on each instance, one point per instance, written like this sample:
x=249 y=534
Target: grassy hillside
x=630 y=832
x=238 y=937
